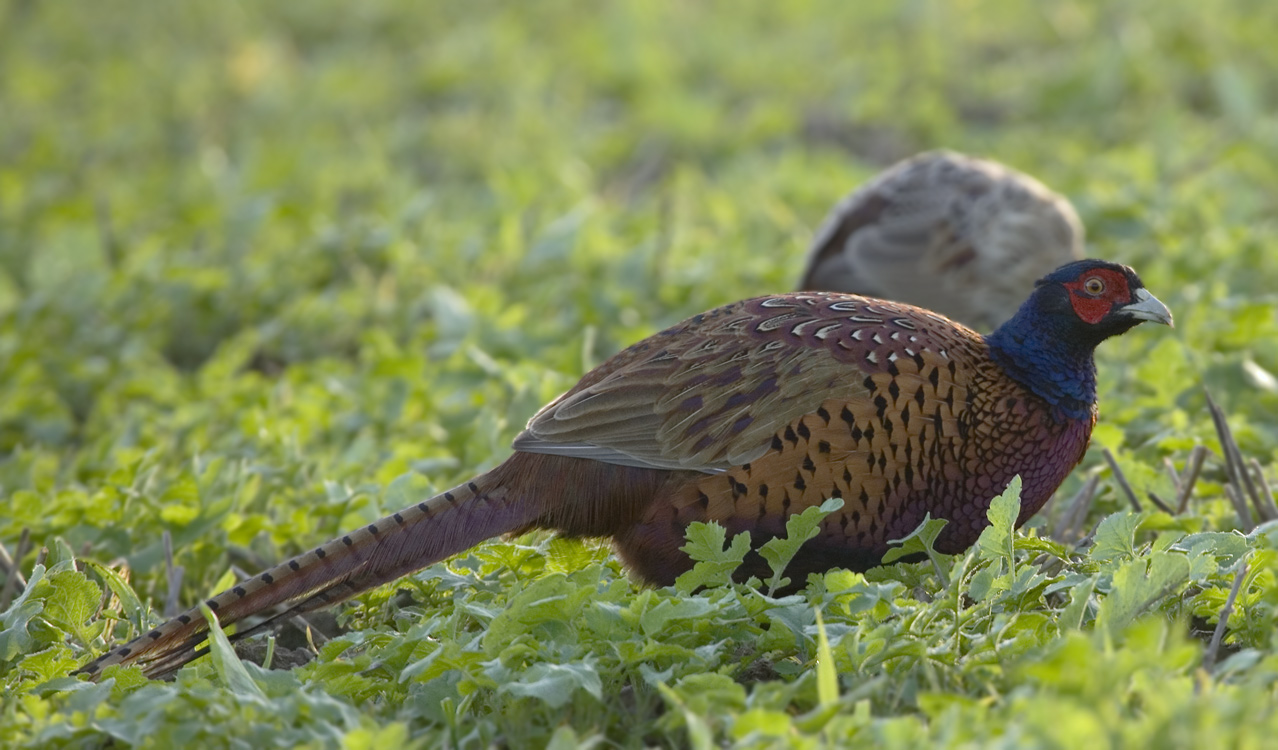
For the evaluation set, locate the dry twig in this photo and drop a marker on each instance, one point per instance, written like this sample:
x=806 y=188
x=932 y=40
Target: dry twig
x=1076 y=510
x=1266 y=495
x=1209 y=658
x=1156 y=500
x=1171 y=471
x=172 y=576
x=1240 y=507
x=1122 y=481
x=1236 y=469
x=14 y=582
x=1193 y=467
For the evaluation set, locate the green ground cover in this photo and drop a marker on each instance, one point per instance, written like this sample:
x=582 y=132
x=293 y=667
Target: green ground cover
x=269 y=271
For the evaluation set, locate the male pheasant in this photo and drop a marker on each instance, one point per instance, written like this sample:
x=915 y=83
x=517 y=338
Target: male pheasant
x=744 y=415
x=964 y=237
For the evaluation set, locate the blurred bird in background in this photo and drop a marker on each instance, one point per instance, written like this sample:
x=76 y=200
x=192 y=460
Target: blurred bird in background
x=961 y=236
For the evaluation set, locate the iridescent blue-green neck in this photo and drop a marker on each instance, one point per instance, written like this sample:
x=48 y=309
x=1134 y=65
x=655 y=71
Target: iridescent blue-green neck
x=1049 y=357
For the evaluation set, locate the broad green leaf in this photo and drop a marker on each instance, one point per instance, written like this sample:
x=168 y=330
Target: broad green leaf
x=565 y=738
x=997 y=541
x=129 y=601
x=60 y=556
x=654 y=678
x=566 y=555
x=60 y=685
x=827 y=679
x=699 y=735
x=703 y=693
x=1075 y=612
x=922 y=540
x=1115 y=536
x=799 y=528
x=919 y=540
x=554 y=684
x=376 y=738
x=226 y=662
x=657 y=618
x=1229 y=546
x=818 y=718
x=1037 y=544
x=1138 y=585
x=15 y=638
x=714 y=565
x=49 y=663
x=73 y=600
x=125 y=678
x=430 y=666
x=767 y=723
x=546 y=607
x=794 y=613
x=988 y=583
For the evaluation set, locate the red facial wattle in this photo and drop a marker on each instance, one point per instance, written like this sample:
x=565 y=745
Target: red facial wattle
x=1092 y=308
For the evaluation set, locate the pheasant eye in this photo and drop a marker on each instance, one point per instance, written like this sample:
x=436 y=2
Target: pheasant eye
x=1094 y=285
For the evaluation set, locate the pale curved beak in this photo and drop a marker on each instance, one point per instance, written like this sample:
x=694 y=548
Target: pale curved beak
x=1147 y=307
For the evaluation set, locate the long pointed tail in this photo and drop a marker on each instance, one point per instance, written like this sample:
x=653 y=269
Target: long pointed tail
x=394 y=546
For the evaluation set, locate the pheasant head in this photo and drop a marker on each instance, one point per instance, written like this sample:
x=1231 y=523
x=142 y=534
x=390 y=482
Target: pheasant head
x=1047 y=346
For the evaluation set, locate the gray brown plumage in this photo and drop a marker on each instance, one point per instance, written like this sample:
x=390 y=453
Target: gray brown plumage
x=744 y=415
x=961 y=236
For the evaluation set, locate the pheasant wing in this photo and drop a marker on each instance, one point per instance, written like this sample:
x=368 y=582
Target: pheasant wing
x=712 y=392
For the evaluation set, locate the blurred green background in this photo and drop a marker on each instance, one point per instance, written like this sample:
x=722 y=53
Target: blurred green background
x=257 y=260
